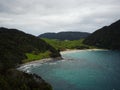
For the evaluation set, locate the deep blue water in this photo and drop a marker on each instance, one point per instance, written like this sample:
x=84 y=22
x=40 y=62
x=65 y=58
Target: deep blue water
x=85 y=70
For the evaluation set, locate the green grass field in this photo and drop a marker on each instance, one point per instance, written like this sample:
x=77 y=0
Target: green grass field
x=38 y=56
x=67 y=44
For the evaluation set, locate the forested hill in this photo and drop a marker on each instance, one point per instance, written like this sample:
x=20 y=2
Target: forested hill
x=106 y=37
x=65 y=35
x=15 y=45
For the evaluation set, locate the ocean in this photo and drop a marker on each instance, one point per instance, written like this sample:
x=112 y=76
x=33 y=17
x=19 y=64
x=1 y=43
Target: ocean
x=81 y=70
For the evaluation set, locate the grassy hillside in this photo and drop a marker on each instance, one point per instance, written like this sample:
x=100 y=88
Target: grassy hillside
x=67 y=44
x=17 y=47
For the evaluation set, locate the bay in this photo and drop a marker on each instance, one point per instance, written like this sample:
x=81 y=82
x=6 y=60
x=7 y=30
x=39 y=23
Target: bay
x=83 y=70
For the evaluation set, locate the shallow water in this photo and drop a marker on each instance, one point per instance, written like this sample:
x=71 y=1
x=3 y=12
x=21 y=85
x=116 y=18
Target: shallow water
x=84 y=70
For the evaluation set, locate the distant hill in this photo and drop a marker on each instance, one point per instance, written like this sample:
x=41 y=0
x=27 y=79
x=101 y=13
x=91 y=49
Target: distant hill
x=65 y=35
x=106 y=37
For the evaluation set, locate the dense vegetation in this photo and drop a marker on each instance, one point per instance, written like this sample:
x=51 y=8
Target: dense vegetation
x=17 y=80
x=67 y=44
x=17 y=47
x=106 y=37
x=65 y=35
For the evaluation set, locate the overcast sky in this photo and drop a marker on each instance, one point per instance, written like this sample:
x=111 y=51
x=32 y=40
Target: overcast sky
x=39 y=16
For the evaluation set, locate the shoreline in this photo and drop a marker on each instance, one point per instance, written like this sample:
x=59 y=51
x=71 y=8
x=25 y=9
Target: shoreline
x=41 y=61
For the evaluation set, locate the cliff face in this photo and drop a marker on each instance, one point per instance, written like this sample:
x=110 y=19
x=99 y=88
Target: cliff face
x=106 y=37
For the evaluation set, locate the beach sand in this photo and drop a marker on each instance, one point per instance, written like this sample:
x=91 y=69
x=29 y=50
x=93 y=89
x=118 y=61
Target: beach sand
x=76 y=50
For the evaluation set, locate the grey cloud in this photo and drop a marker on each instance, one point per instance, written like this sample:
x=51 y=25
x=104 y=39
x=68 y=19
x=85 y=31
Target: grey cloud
x=39 y=16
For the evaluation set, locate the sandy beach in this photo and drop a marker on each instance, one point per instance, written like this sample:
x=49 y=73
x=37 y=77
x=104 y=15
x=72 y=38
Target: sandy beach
x=76 y=50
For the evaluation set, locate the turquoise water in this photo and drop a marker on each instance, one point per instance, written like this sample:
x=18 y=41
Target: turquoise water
x=85 y=70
